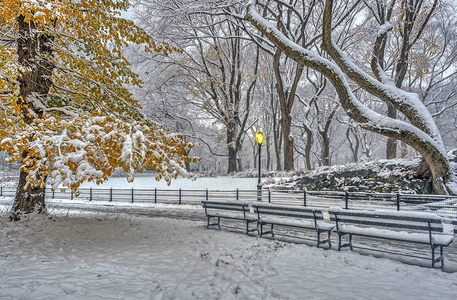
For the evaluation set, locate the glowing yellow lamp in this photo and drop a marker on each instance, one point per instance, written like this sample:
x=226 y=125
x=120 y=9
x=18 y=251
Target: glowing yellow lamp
x=259 y=137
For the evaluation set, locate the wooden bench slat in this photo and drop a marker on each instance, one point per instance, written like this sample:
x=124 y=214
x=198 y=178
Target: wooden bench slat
x=389 y=216
x=227 y=215
x=423 y=226
x=419 y=238
x=289 y=214
x=288 y=222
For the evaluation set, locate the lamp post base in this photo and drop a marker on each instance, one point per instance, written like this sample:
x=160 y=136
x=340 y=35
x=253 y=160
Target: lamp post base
x=259 y=192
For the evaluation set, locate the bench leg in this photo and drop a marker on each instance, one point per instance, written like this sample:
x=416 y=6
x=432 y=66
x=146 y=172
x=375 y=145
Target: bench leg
x=344 y=245
x=247 y=227
x=266 y=232
x=214 y=224
x=328 y=240
x=319 y=242
x=339 y=241
x=439 y=259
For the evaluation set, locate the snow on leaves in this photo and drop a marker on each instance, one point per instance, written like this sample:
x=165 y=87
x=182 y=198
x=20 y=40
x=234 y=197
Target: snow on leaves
x=70 y=152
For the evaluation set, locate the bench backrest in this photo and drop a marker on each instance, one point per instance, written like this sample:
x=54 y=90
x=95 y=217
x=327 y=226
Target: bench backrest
x=302 y=212
x=391 y=219
x=226 y=206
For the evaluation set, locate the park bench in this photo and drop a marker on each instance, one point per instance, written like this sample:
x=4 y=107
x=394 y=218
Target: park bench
x=292 y=216
x=234 y=210
x=423 y=228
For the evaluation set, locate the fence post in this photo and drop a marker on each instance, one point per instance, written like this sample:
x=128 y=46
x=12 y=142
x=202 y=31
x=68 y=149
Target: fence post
x=398 y=201
x=237 y=194
x=269 y=195
x=90 y=194
x=132 y=195
x=304 y=197
x=179 y=196
x=155 y=195
x=53 y=194
x=207 y=195
x=71 y=195
x=1 y=191
x=346 y=199
x=110 y=194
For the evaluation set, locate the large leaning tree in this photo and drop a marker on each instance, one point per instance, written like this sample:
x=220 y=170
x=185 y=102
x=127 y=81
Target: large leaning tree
x=66 y=112
x=419 y=131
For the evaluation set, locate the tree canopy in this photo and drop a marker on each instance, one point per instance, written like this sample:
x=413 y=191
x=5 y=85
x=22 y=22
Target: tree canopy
x=66 y=111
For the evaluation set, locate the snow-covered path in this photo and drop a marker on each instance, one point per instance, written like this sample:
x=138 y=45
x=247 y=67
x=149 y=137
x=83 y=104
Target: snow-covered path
x=117 y=256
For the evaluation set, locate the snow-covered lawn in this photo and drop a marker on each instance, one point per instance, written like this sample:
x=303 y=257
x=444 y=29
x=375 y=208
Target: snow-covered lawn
x=82 y=255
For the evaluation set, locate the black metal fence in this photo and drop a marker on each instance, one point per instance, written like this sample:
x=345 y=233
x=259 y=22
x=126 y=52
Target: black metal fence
x=443 y=205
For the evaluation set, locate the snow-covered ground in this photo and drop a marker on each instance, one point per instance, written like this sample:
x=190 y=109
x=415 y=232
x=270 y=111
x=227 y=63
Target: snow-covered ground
x=147 y=181
x=165 y=252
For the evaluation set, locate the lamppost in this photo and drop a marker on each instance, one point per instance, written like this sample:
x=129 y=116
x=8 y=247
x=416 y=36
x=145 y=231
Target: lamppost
x=259 y=139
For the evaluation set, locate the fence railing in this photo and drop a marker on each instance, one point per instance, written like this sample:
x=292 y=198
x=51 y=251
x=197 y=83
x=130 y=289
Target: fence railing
x=442 y=205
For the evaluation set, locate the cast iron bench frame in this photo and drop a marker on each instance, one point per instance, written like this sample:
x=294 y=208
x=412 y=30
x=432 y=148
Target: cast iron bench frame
x=422 y=227
x=234 y=210
x=292 y=216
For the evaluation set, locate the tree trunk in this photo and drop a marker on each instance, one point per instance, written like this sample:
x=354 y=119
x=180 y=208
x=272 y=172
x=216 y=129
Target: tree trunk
x=288 y=143
x=232 y=161
x=391 y=147
x=286 y=100
x=254 y=155
x=278 y=142
x=29 y=199
x=277 y=137
x=268 y=153
x=232 y=151
x=278 y=154
x=325 y=151
x=403 y=150
x=239 y=162
x=34 y=49
x=308 y=147
x=423 y=171
x=439 y=167
x=353 y=145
